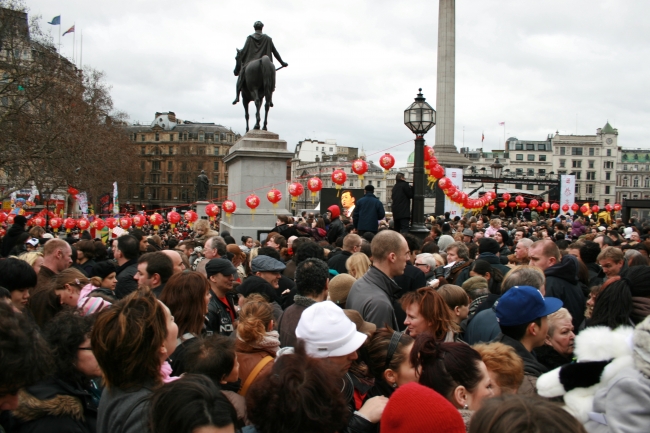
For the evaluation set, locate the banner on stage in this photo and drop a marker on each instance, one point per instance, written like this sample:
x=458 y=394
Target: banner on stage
x=567 y=190
x=456 y=177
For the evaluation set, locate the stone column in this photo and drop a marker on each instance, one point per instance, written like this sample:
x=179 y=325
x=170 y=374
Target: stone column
x=258 y=159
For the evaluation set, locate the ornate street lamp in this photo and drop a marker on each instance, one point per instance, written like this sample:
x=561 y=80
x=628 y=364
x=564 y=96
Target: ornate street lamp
x=419 y=117
x=497 y=168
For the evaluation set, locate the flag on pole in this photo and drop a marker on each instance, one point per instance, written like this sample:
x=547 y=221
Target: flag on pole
x=482 y=137
x=56 y=21
x=500 y=123
x=70 y=30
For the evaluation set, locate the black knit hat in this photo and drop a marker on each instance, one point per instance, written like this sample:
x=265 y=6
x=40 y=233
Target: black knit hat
x=102 y=269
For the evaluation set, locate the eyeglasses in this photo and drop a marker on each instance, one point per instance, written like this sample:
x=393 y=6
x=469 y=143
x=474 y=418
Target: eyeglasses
x=421 y=264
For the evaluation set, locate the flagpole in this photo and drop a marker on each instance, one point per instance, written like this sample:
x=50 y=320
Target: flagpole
x=59 y=37
x=74 y=42
x=81 y=53
x=504 y=137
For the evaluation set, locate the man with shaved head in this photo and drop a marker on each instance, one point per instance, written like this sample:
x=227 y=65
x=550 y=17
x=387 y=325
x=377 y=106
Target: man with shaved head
x=57 y=256
x=561 y=277
x=176 y=260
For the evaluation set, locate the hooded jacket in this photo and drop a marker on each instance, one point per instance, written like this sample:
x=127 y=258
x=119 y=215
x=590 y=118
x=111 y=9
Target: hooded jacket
x=577 y=229
x=562 y=283
x=336 y=228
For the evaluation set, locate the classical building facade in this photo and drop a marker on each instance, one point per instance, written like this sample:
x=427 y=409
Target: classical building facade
x=172 y=153
x=633 y=175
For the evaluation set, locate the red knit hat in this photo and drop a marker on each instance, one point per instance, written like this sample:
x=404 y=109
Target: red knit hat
x=334 y=209
x=414 y=408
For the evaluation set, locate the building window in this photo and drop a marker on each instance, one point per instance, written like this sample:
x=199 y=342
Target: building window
x=142 y=137
x=155 y=178
x=541 y=172
x=531 y=157
x=563 y=163
x=200 y=165
x=542 y=158
x=216 y=166
x=200 y=150
x=184 y=166
x=170 y=178
x=624 y=167
x=577 y=174
x=541 y=187
x=608 y=175
x=576 y=151
x=215 y=179
x=562 y=150
x=591 y=164
x=589 y=189
x=170 y=165
x=519 y=146
x=530 y=146
x=157 y=136
x=530 y=172
x=201 y=136
x=591 y=175
x=561 y=172
x=607 y=189
x=541 y=146
x=143 y=150
x=155 y=165
x=609 y=152
x=577 y=191
x=142 y=165
x=576 y=163
x=646 y=183
x=636 y=182
x=610 y=164
x=519 y=172
x=625 y=181
x=216 y=150
x=378 y=183
x=520 y=157
x=530 y=187
x=331 y=149
x=518 y=186
x=591 y=151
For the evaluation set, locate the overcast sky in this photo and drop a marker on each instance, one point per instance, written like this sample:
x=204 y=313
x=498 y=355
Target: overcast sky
x=354 y=66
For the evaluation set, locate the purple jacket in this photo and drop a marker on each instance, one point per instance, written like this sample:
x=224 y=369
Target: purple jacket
x=578 y=229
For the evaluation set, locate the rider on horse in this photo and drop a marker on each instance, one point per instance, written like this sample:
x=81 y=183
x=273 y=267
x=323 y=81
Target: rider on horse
x=257 y=46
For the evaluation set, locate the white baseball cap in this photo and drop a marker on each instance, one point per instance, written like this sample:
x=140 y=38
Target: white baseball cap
x=327 y=331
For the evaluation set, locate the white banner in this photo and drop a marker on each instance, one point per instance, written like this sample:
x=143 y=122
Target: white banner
x=456 y=177
x=116 y=201
x=82 y=200
x=567 y=190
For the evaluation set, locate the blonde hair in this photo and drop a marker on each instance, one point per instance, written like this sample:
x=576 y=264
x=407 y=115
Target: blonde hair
x=560 y=314
x=357 y=265
x=254 y=319
x=202 y=224
x=439 y=260
x=504 y=362
x=495 y=222
x=70 y=276
x=30 y=257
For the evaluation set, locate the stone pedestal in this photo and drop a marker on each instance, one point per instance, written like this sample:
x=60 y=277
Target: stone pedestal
x=200 y=209
x=256 y=163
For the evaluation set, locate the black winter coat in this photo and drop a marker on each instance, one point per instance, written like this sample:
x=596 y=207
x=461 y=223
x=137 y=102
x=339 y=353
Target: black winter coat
x=367 y=213
x=10 y=239
x=562 y=283
x=401 y=196
x=336 y=230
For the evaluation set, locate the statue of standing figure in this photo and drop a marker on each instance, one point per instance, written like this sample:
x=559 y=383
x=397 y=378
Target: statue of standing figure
x=202 y=185
x=256 y=72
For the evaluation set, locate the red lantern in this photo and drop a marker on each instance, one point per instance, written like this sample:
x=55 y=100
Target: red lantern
x=491 y=208
x=252 y=201
x=575 y=207
x=83 y=224
x=433 y=161
x=111 y=223
x=38 y=221
x=444 y=183
x=428 y=152
x=437 y=171
x=387 y=162
x=98 y=224
x=3 y=217
x=212 y=210
x=156 y=219
x=360 y=167
x=56 y=223
x=274 y=196
x=126 y=222
x=533 y=204
x=174 y=218
x=546 y=205
x=339 y=177
x=229 y=207
x=139 y=221
x=506 y=196
x=584 y=209
x=617 y=207
x=565 y=207
x=555 y=207
x=539 y=209
x=455 y=196
x=502 y=205
x=295 y=190
x=519 y=199
x=512 y=205
x=608 y=207
x=595 y=208
x=314 y=185
x=191 y=217
x=69 y=224
x=451 y=189
x=72 y=190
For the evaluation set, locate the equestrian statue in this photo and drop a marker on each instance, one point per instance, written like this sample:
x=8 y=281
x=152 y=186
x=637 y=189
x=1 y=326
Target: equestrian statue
x=256 y=72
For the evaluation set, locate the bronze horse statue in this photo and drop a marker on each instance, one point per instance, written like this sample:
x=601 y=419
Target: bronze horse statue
x=258 y=83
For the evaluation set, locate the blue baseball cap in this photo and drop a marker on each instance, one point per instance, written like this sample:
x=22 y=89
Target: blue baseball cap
x=523 y=304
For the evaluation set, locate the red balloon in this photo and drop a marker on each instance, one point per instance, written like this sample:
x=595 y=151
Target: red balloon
x=539 y=208
x=443 y=183
x=126 y=222
x=433 y=160
x=10 y=218
x=360 y=167
x=556 y=207
x=83 y=224
x=506 y=196
x=3 y=217
x=38 y=221
x=455 y=197
x=450 y=190
x=339 y=177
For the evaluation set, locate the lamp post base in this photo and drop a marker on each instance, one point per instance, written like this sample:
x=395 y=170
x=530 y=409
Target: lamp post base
x=419 y=231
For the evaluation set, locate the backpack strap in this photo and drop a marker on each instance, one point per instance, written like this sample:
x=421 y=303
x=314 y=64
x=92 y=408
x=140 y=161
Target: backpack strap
x=253 y=374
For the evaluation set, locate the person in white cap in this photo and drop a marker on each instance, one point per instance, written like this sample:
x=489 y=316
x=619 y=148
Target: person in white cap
x=327 y=333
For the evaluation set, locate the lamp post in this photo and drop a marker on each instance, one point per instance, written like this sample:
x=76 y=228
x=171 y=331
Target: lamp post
x=497 y=168
x=419 y=117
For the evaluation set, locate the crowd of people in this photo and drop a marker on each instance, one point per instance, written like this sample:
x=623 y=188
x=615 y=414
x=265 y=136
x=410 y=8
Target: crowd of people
x=326 y=325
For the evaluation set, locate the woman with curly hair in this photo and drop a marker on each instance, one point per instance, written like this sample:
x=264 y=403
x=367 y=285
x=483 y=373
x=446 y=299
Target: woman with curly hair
x=66 y=401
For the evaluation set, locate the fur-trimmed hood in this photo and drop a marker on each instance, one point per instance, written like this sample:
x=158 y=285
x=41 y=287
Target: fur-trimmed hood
x=642 y=347
x=31 y=408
